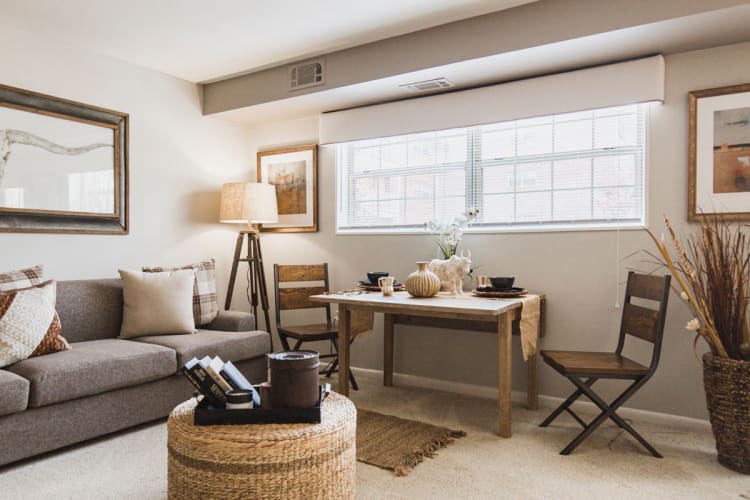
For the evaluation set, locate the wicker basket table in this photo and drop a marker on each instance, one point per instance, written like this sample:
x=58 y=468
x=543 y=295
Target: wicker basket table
x=263 y=460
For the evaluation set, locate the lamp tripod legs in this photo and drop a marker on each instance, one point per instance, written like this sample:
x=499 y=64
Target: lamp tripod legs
x=256 y=277
x=233 y=274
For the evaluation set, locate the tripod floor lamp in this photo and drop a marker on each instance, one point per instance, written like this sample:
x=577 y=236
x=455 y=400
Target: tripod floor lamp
x=250 y=203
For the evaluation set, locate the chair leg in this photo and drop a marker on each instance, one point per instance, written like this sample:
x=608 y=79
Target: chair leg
x=565 y=404
x=332 y=368
x=284 y=342
x=335 y=364
x=626 y=426
x=576 y=418
x=608 y=411
x=296 y=345
x=619 y=421
x=353 y=381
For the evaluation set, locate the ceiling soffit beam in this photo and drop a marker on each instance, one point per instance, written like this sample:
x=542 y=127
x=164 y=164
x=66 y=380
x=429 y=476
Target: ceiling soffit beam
x=618 y=84
x=531 y=25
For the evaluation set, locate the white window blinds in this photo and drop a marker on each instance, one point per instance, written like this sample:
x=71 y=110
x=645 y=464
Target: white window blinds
x=582 y=169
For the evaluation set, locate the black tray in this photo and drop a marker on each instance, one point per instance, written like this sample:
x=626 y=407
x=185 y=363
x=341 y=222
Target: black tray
x=205 y=414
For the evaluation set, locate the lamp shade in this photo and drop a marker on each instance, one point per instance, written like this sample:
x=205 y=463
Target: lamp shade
x=250 y=202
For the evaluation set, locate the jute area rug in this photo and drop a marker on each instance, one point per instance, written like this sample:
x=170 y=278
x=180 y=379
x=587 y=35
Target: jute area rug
x=398 y=444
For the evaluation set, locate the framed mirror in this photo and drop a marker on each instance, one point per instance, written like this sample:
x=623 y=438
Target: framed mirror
x=63 y=165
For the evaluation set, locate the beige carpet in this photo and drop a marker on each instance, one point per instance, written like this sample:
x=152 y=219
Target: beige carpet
x=132 y=465
x=398 y=444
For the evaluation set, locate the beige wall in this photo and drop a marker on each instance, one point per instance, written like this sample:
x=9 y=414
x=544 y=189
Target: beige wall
x=578 y=271
x=178 y=161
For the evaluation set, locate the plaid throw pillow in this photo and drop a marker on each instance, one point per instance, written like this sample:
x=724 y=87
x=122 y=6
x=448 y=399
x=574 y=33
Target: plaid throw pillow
x=29 y=325
x=23 y=278
x=205 y=303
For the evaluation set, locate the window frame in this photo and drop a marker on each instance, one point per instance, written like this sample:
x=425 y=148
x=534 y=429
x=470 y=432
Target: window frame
x=473 y=172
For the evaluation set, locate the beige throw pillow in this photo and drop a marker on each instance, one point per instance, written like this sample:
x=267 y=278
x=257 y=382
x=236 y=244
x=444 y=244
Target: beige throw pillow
x=205 y=304
x=157 y=303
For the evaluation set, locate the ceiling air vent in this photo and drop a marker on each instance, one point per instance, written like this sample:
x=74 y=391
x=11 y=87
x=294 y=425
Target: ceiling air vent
x=434 y=84
x=307 y=74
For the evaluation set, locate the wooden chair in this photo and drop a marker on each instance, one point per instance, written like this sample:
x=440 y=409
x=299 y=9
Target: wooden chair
x=298 y=297
x=585 y=368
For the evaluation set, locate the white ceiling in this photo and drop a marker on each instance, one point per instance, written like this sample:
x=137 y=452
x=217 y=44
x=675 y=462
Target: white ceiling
x=200 y=40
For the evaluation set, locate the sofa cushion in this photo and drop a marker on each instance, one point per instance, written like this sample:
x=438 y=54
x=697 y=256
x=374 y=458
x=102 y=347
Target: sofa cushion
x=14 y=393
x=229 y=346
x=232 y=321
x=90 y=309
x=93 y=367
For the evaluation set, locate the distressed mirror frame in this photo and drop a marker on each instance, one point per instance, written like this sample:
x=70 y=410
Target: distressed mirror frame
x=48 y=221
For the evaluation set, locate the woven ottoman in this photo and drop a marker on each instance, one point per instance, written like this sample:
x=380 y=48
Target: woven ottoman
x=263 y=460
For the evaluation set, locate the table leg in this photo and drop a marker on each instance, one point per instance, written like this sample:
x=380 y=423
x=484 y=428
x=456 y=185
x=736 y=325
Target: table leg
x=532 y=391
x=505 y=354
x=345 y=326
x=388 y=350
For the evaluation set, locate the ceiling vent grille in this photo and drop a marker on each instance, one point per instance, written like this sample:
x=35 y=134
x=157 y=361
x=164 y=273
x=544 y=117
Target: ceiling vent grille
x=434 y=84
x=307 y=74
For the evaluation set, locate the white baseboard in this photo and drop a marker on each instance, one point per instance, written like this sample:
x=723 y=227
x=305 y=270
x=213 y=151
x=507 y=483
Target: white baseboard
x=487 y=392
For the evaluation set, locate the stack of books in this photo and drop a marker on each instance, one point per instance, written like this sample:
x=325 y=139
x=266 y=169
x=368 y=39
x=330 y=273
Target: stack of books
x=212 y=377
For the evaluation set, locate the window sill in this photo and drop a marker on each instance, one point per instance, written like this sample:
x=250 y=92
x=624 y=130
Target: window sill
x=637 y=226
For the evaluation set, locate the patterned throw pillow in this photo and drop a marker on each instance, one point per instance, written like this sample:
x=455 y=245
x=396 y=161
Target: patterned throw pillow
x=205 y=303
x=23 y=278
x=29 y=325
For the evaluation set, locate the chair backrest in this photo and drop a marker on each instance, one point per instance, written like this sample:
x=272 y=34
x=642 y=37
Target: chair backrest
x=298 y=297
x=641 y=321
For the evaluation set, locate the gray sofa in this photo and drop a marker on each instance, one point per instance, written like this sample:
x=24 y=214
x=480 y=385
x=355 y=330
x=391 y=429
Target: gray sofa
x=104 y=384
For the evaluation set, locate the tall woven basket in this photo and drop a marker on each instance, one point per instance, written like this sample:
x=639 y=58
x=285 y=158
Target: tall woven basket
x=727 y=385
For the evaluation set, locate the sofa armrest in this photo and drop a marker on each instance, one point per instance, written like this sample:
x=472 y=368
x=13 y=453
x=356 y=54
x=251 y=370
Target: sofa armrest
x=232 y=321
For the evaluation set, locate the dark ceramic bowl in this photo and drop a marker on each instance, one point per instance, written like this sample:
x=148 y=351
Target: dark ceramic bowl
x=373 y=276
x=501 y=283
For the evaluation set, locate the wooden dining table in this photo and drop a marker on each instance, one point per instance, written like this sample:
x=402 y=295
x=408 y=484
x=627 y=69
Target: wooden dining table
x=442 y=311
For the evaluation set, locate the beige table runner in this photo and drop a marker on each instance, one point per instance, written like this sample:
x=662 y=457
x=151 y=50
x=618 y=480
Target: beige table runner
x=529 y=325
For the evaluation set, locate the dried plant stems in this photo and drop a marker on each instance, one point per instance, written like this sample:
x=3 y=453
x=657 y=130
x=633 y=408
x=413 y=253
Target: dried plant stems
x=713 y=271
x=707 y=331
x=722 y=260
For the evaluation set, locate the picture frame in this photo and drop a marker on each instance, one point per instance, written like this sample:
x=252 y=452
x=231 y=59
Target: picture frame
x=294 y=172
x=63 y=165
x=719 y=153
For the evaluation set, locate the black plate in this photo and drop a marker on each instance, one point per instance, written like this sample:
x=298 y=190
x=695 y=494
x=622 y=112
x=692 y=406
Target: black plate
x=491 y=288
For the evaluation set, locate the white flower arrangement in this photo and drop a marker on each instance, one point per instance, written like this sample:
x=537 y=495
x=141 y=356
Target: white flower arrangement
x=448 y=236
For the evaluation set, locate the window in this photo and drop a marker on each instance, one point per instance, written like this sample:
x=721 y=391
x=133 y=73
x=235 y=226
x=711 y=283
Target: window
x=575 y=170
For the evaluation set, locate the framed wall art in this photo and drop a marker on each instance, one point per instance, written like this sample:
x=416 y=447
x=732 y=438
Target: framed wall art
x=294 y=173
x=719 y=155
x=63 y=165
